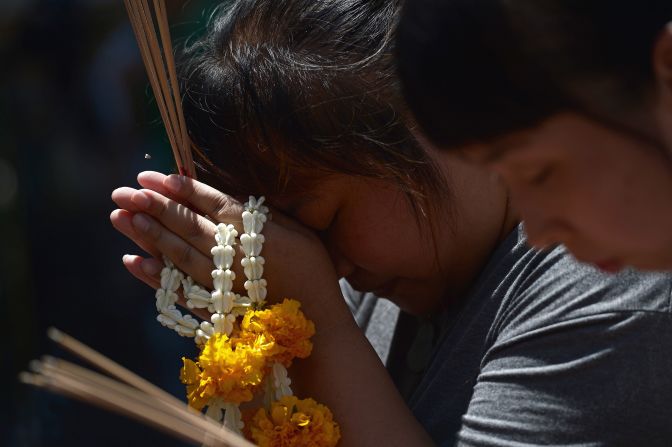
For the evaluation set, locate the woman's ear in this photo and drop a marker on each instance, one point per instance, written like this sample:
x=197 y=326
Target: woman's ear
x=662 y=67
x=662 y=61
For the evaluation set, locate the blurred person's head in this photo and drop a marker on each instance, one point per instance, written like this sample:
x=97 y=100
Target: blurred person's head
x=569 y=101
x=298 y=100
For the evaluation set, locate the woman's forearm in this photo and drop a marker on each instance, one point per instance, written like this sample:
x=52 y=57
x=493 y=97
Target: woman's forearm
x=345 y=373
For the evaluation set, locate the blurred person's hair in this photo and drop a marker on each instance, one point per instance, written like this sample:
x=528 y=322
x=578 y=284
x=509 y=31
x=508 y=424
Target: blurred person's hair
x=475 y=70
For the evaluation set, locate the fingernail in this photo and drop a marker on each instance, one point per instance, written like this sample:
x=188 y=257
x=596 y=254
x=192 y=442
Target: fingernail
x=173 y=183
x=150 y=267
x=140 y=222
x=125 y=258
x=141 y=200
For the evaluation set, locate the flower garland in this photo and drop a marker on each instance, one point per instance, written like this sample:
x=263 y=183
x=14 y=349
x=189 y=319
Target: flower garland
x=246 y=348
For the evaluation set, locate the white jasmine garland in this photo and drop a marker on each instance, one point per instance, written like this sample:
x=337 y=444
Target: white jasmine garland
x=253 y=266
x=281 y=381
x=166 y=297
x=222 y=302
x=251 y=241
x=197 y=297
x=277 y=385
x=233 y=419
x=215 y=409
x=226 y=413
x=204 y=332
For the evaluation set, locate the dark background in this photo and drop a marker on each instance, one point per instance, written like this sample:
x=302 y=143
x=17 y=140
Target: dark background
x=76 y=119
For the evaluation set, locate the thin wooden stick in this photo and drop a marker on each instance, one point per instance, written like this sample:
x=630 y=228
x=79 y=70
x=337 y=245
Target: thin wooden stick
x=53 y=367
x=107 y=365
x=103 y=382
x=162 y=18
x=141 y=400
x=114 y=369
x=167 y=91
x=73 y=388
x=157 y=53
x=103 y=397
x=149 y=52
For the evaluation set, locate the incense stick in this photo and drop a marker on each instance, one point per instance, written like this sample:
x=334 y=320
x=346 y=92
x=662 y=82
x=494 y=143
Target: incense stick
x=157 y=54
x=52 y=364
x=187 y=424
x=102 y=397
x=107 y=365
x=145 y=402
x=134 y=396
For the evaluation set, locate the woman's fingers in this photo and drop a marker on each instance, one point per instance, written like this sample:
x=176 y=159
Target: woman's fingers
x=134 y=264
x=154 y=180
x=190 y=226
x=156 y=240
x=122 y=221
x=149 y=272
x=184 y=255
x=124 y=195
x=207 y=200
x=186 y=237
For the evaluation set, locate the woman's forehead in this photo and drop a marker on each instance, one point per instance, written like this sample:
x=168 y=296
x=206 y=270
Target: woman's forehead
x=301 y=189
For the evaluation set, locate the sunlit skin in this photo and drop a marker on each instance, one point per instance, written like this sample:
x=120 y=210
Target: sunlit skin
x=379 y=244
x=361 y=229
x=603 y=190
x=662 y=67
x=373 y=236
x=605 y=194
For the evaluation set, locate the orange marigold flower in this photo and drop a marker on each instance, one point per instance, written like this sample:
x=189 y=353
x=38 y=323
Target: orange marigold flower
x=286 y=325
x=293 y=423
x=225 y=369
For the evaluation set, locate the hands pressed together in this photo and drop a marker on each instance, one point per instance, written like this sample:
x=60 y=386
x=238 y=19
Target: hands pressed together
x=176 y=217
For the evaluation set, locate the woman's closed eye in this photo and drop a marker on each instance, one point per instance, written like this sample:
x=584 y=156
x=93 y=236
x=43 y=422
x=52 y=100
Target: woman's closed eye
x=537 y=176
x=315 y=215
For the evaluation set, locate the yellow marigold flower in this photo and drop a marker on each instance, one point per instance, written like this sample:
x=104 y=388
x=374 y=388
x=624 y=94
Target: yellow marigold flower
x=225 y=369
x=286 y=325
x=293 y=423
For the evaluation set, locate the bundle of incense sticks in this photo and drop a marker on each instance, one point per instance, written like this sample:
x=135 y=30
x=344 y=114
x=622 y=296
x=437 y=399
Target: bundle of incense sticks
x=130 y=395
x=157 y=53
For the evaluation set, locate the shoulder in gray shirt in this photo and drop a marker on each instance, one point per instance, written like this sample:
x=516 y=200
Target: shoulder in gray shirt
x=545 y=351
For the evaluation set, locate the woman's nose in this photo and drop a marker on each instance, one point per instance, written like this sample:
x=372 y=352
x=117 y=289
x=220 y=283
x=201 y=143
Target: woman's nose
x=542 y=234
x=543 y=229
x=343 y=266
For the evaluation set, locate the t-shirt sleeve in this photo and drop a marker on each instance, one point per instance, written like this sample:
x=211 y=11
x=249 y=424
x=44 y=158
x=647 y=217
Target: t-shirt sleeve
x=594 y=368
x=377 y=317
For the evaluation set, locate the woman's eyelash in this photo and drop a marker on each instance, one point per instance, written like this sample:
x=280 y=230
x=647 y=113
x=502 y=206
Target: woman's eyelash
x=541 y=176
x=324 y=228
x=334 y=218
x=314 y=219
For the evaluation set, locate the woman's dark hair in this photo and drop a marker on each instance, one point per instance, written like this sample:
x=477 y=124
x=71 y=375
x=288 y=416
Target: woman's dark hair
x=279 y=90
x=474 y=70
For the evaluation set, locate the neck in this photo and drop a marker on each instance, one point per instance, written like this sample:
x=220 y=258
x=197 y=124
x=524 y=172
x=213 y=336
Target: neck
x=509 y=221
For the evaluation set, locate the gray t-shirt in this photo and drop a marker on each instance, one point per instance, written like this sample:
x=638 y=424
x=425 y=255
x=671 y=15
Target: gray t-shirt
x=543 y=351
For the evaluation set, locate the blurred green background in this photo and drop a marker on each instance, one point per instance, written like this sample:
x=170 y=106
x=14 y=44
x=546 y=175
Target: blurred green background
x=76 y=120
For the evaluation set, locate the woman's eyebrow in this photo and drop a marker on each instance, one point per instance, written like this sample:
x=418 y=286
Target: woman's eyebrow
x=292 y=205
x=486 y=155
x=496 y=151
x=494 y=154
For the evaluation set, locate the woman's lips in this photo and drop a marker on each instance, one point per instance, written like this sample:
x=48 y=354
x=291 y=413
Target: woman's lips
x=378 y=289
x=609 y=266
